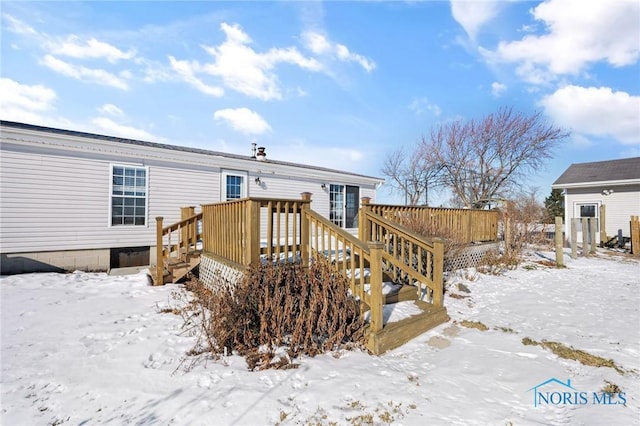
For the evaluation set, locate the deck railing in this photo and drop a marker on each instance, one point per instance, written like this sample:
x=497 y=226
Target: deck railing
x=249 y=230
x=407 y=257
x=176 y=241
x=245 y=230
x=463 y=225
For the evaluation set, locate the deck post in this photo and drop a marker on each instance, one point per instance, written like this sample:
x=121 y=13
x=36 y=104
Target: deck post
x=376 y=286
x=186 y=213
x=364 y=227
x=304 y=228
x=159 y=259
x=438 y=272
x=558 y=241
x=252 y=236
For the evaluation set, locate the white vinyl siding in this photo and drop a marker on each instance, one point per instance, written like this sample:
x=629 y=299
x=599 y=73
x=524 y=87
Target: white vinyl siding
x=56 y=188
x=620 y=205
x=41 y=210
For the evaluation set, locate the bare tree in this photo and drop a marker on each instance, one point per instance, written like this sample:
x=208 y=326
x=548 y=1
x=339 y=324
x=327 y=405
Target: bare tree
x=483 y=160
x=412 y=175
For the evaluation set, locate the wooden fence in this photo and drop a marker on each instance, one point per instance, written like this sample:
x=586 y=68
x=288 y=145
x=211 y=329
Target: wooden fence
x=462 y=225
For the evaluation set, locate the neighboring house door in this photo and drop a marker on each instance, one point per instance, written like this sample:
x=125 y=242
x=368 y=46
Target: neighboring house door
x=584 y=212
x=343 y=205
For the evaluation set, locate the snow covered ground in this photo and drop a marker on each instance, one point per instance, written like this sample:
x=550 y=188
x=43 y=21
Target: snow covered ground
x=88 y=348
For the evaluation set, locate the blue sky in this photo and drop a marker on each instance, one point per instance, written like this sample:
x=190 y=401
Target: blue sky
x=335 y=84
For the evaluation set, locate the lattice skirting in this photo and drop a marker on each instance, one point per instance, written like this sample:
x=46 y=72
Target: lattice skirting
x=216 y=275
x=469 y=257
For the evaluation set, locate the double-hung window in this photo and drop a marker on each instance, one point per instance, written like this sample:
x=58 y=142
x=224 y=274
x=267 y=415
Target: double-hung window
x=129 y=188
x=234 y=185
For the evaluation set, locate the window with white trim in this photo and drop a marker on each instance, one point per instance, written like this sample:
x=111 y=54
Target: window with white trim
x=234 y=185
x=128 y=195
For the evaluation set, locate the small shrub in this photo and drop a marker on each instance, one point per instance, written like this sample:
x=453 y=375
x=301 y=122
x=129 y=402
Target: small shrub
x=280 y=305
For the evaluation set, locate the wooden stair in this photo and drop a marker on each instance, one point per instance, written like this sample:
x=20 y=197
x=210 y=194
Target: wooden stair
x=176 y=269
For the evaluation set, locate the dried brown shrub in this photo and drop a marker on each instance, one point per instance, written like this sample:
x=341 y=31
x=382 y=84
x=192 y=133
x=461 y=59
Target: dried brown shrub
x=281 y=305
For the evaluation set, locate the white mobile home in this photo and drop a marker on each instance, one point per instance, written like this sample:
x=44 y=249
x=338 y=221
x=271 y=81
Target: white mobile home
x=614 y=184
x=74 y=200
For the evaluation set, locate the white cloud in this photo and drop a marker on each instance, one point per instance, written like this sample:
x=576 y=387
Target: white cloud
x=111 y=128
x=31 y=104
x=472 y=15
x=243 y=120
x=110 y=109
x=422 y=105
x=596 y=111
x=302 y=151
x=186 y=70
x=320 y=45
x=82 y=73
x=579 y=33
x=36 y=97
x=240 y=67
x=498 y=89
x=74 y=47
x=19 y=27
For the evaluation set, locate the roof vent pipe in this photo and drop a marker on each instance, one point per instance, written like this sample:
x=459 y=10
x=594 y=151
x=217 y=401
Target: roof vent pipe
x=253 y=150
x=261 y=155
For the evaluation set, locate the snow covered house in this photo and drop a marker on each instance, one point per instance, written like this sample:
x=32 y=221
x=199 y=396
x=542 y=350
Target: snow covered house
x=614 y=184
x=74 y=200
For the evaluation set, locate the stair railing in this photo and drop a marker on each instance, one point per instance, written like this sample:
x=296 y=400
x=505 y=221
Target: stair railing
x=176 y=241
x=407 y=257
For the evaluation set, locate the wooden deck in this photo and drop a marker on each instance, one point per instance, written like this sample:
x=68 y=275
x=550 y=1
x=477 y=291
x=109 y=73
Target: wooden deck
x=251 y=230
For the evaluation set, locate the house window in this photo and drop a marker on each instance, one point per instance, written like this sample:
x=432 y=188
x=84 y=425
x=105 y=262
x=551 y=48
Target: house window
x=234 y=185
x=128 y=195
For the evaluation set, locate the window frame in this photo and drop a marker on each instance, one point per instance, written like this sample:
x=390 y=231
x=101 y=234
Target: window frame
x=243 y=175
x=112 y=168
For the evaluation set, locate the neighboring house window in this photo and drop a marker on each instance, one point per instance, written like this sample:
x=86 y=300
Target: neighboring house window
x=343 y=205
x=128 y=195
x=234 y=185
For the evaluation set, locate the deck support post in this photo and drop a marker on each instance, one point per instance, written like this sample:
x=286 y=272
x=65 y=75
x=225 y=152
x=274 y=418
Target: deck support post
x=438 y=272
x=304 y=229
x=376 y=302
x=159 y=258
x=364 y=226
x=252 y=243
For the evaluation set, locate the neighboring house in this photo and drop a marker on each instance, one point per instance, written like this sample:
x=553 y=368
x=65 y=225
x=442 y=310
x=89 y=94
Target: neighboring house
x=74 y=200
x=614 y=184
